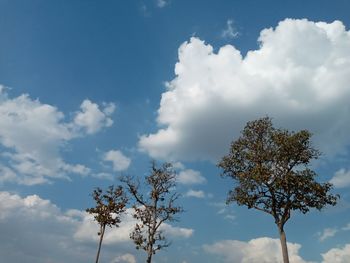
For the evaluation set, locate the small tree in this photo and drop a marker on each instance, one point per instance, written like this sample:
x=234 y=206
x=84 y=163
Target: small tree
x=270 y=167
x=109 y=206
x=153 y=206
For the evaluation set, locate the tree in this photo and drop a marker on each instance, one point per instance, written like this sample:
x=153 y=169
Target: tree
x=109 y=207
x=271 y=169
x=153 y=206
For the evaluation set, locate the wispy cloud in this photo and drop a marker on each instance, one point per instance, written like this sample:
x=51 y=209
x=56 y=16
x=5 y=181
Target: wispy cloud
x=327 y=233
x=125 y=258
x=162 y=3
x=346 y=228
x=230 y=31
x=224 y=210
x=195 y=193
x=331 y=232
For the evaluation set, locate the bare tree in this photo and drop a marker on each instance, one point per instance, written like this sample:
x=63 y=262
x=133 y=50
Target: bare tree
x=109 y=207
x=270 y=168
x=154 y=205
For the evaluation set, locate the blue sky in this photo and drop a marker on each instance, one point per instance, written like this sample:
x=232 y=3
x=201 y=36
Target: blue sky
x=94 y=89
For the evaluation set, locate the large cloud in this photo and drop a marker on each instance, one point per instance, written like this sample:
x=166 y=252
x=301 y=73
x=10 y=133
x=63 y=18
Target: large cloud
x=259 y=250
x=33 y=134
x=299 y=76
x=87 y=230
x=337 y=255
x=61 y=236
x=35 y=230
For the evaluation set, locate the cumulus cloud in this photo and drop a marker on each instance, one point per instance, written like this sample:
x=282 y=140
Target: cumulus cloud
x=341 y=178
x=299 y=75
x=92 y=118
x=230 y=31
x=23 y=220
x=337 y=255
x=119 y=161
x=179 y=232
x=259 y=250
x=87 y=230
x=61 y=236
x=195 y=193
x=77 y=169
x=33 y=135
x=189 y=176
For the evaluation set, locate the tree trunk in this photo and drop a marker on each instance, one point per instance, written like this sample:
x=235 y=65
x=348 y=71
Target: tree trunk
x=150 y=250
x=283 y=240
x=149 y=257
x=102 y=232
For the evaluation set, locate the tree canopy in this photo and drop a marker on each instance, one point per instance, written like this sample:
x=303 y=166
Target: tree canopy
x=109 y=207
x=154 y=205
x=271 y=168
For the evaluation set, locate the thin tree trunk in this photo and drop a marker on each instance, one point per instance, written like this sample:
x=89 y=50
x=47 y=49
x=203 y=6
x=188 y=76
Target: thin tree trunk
x=283 y=240
x=152 y=233
x=149 y=257
x=102 y=232
x=150 y=249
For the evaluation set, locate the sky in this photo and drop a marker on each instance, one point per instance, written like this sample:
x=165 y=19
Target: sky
x=91 y=90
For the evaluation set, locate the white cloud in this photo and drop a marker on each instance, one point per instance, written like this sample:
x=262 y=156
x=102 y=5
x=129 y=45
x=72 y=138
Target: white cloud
x=189 y=176
x=24 y=220
x=33 y=135
x=77 y=169
x=91 y=118
x=105 y=176
x=61 y=236
x=347 y=227
x=327 y=233
x=178 y=232
x=230 y=217
x=119 y=160
x=87 y=230
x=194 y=193
x=337 y=255
x=299 y=76
x=126 y=258
x=259 y=250
x=178 y=165
x=331 y=232
x=225 y=210
x=230 y=31
x=341 y=178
